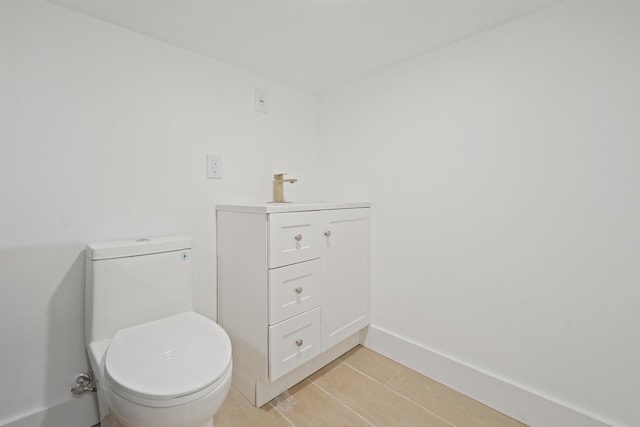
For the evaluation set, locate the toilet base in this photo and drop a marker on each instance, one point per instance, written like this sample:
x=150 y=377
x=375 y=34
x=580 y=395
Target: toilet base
x=198 y=413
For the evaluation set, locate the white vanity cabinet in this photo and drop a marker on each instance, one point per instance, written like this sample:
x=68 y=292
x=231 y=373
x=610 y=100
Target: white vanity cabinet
x=293 y=289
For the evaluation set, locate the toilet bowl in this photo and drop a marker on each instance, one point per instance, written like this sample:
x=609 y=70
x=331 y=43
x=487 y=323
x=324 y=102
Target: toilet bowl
x=157 y=363
x=171 y=372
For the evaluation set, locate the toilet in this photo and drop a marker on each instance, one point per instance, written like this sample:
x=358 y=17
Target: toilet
x=156 y=362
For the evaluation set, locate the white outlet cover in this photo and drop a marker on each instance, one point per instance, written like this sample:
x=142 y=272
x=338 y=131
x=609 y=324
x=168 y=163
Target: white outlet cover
x=214 y=166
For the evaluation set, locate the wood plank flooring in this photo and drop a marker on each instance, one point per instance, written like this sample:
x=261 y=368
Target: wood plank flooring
x=363 y=388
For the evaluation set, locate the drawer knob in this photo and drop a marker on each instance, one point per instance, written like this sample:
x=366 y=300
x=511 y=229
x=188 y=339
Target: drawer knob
x=327 y=233
x=298 y=237
x=299 y=290
x=299 y=343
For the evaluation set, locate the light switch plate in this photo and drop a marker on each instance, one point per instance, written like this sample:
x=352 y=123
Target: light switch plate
x=261 y=101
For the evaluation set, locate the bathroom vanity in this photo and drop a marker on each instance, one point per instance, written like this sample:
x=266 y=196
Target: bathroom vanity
x=293 y=289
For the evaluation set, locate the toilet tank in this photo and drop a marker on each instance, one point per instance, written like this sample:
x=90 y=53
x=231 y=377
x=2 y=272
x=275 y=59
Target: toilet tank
x=135 y=281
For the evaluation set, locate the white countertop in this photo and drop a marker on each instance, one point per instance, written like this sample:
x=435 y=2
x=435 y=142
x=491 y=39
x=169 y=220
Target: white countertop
x=291 y=207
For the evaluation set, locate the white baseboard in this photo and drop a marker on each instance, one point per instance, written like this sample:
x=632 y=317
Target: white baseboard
x=77 y=411
x=526 y=406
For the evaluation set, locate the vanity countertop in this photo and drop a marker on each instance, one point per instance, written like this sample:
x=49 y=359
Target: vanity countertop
x=291 y=207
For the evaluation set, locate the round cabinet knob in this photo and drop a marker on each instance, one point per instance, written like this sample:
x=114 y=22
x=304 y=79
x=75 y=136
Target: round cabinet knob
x=327 y=233
x=299 y=343
x=298 y=237
x=299 y=290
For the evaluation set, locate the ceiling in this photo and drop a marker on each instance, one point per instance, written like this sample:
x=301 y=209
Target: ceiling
x=313 y=45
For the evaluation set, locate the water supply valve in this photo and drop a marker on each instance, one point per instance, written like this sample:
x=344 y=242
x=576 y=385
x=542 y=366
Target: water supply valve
x=82 y=383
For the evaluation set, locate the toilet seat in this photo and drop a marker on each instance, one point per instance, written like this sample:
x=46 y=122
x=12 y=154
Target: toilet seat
x=169 y=361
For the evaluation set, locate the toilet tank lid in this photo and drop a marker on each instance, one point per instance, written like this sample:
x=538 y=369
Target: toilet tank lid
x=135 y=247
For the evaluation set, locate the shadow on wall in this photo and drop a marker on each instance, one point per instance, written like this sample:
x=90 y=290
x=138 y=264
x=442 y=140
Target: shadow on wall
x=42 y=337
x=65 y=343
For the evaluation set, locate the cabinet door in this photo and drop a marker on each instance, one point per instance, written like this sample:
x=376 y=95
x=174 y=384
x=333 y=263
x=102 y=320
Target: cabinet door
x=345 y=273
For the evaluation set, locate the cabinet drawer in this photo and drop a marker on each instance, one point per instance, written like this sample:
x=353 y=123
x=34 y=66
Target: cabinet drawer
x=293 y=237
x=293 y=289
x=293 y=342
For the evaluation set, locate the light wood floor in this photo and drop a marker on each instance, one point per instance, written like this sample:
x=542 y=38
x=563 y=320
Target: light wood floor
x=363 y=388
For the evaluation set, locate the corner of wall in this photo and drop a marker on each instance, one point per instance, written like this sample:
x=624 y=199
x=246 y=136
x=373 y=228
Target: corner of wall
x=511 y=399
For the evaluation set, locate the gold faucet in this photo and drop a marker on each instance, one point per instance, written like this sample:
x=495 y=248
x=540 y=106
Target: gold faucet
x=278 y=187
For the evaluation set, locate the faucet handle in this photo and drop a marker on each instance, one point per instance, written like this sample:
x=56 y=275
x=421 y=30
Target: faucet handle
x=280 y=176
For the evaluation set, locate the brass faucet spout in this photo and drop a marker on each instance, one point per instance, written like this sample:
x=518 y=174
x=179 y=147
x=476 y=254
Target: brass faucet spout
x=278 y=186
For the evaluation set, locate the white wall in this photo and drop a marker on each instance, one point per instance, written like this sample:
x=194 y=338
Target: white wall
x=504 y=176
x=503 y=171
x=104 y=135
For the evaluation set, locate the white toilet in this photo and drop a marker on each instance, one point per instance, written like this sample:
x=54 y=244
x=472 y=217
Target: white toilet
x=156 y=362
